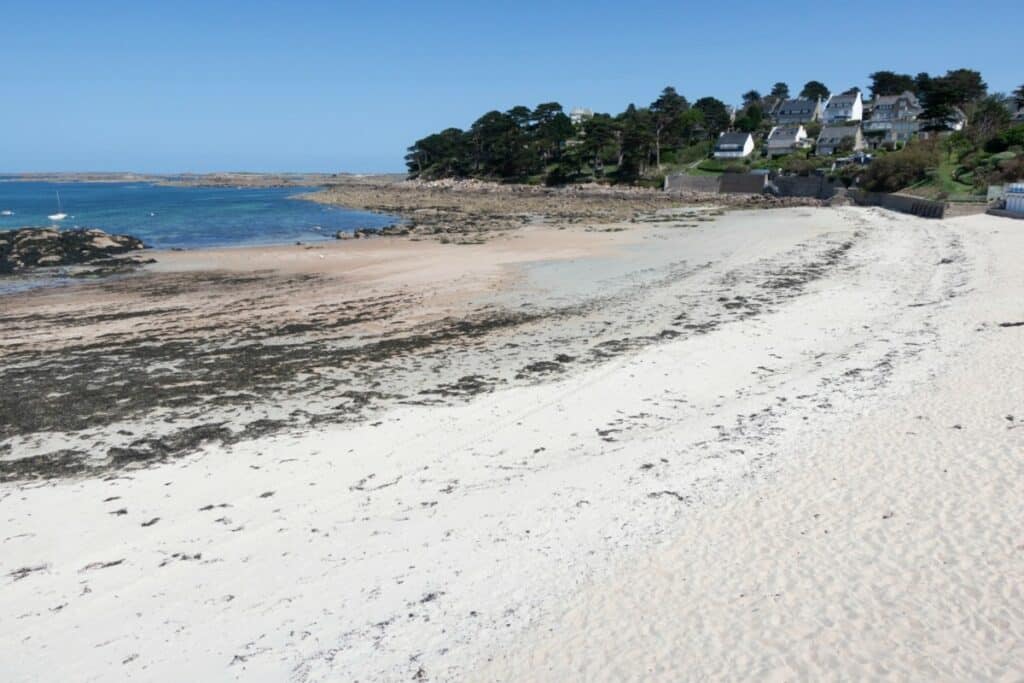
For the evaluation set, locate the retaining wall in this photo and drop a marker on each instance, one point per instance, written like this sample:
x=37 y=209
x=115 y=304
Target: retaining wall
x=805 y=186
x=692 y=183
x=925 y=208
x=743 y=183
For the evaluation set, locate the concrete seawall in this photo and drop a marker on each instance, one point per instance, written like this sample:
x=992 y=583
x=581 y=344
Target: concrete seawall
x=916 y=206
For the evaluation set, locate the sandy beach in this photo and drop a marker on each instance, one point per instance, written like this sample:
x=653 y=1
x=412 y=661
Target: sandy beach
x=687 y=444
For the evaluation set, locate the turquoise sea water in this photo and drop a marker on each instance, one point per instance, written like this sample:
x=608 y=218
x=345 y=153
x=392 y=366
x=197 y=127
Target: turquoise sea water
x=181 y=217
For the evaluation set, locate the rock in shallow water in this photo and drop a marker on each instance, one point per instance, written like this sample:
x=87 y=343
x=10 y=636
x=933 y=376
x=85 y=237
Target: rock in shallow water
x=27 y=248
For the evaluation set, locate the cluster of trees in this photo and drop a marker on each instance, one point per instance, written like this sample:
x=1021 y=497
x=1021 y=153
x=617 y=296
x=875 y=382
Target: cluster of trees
x=978 y=153
x=544 y=143
x=499 y=144
x=523 y=142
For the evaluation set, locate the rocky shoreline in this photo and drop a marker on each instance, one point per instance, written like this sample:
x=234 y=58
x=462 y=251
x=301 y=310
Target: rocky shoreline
x=31 y=248
x=471 y=211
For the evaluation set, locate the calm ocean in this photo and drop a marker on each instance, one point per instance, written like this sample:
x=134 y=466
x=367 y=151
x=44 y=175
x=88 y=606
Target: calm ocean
x=181 y=217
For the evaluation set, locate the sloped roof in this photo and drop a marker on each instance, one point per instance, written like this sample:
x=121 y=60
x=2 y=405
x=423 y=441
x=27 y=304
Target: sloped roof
x=832 y=134
x=799 y=104
x=843 y=99
x=910 y=97
x=784 y=133
x=732 y=140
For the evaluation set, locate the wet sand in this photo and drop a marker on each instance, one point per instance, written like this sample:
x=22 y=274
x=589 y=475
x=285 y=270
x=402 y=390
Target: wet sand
x=754 y=444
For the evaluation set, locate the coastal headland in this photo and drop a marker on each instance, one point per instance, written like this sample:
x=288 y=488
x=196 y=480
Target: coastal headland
x=582 y=433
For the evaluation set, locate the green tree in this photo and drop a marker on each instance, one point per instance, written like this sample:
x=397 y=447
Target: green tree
x=600 y=138
x=636 y=143
x=501 y=144
x=715 y=115
x=521 y=115
x=441 y=155
x=751 y=119
x=922 y=82
x=814 y=90
x=942 y=94
x=667 y=120
x=1018 y=96
x=966 y=85
x=751 y=97
x=940 y=98
x=690 y=123
x=551 y=130
x=780 y=91
x=891 y=83
x=989 y=118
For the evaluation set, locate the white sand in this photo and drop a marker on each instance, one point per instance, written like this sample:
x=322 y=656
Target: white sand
x=830 y=490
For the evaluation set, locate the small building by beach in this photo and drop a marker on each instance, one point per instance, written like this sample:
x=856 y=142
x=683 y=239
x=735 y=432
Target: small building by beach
x=734 y=146
x=843 y=108
x=784 y=140
x=796 y=111
x=839 y=139
x=1015 y=198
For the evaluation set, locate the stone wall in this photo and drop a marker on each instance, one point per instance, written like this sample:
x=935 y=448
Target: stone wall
x=680 y=182
x=743 y=183
x=805 y=186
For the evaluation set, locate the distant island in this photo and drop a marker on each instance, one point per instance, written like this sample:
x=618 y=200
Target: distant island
x=940 y=135
x=217 y=179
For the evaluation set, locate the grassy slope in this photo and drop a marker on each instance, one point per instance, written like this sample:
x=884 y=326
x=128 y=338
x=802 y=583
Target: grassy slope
x=941 y=182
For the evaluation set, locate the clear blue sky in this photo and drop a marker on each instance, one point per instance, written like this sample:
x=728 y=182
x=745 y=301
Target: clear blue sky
x=329 y=86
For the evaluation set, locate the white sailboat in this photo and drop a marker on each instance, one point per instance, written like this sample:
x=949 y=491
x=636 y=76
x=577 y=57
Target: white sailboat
x=60 y=215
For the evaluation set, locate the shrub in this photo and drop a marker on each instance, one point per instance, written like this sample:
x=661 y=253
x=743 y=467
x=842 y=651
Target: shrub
x=557 y=176
x=849 y=175
x=1006 y=171
x=895 y=171
x=798 y=166
x=1013 y=137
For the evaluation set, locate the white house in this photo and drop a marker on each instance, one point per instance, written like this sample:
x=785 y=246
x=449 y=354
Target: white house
x=835 y=139
x=734 y=146
x=893 y=118
x=580 y=114
x=786 y=140
x=799 y=110
x=843 y=108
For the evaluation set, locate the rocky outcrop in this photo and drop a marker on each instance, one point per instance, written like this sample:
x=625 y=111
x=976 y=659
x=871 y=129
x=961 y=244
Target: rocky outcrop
x=471 y=211
x=28 y=248
x=396 y=230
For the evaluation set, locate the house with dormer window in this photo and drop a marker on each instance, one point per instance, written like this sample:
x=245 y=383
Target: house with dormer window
x=844 y=108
